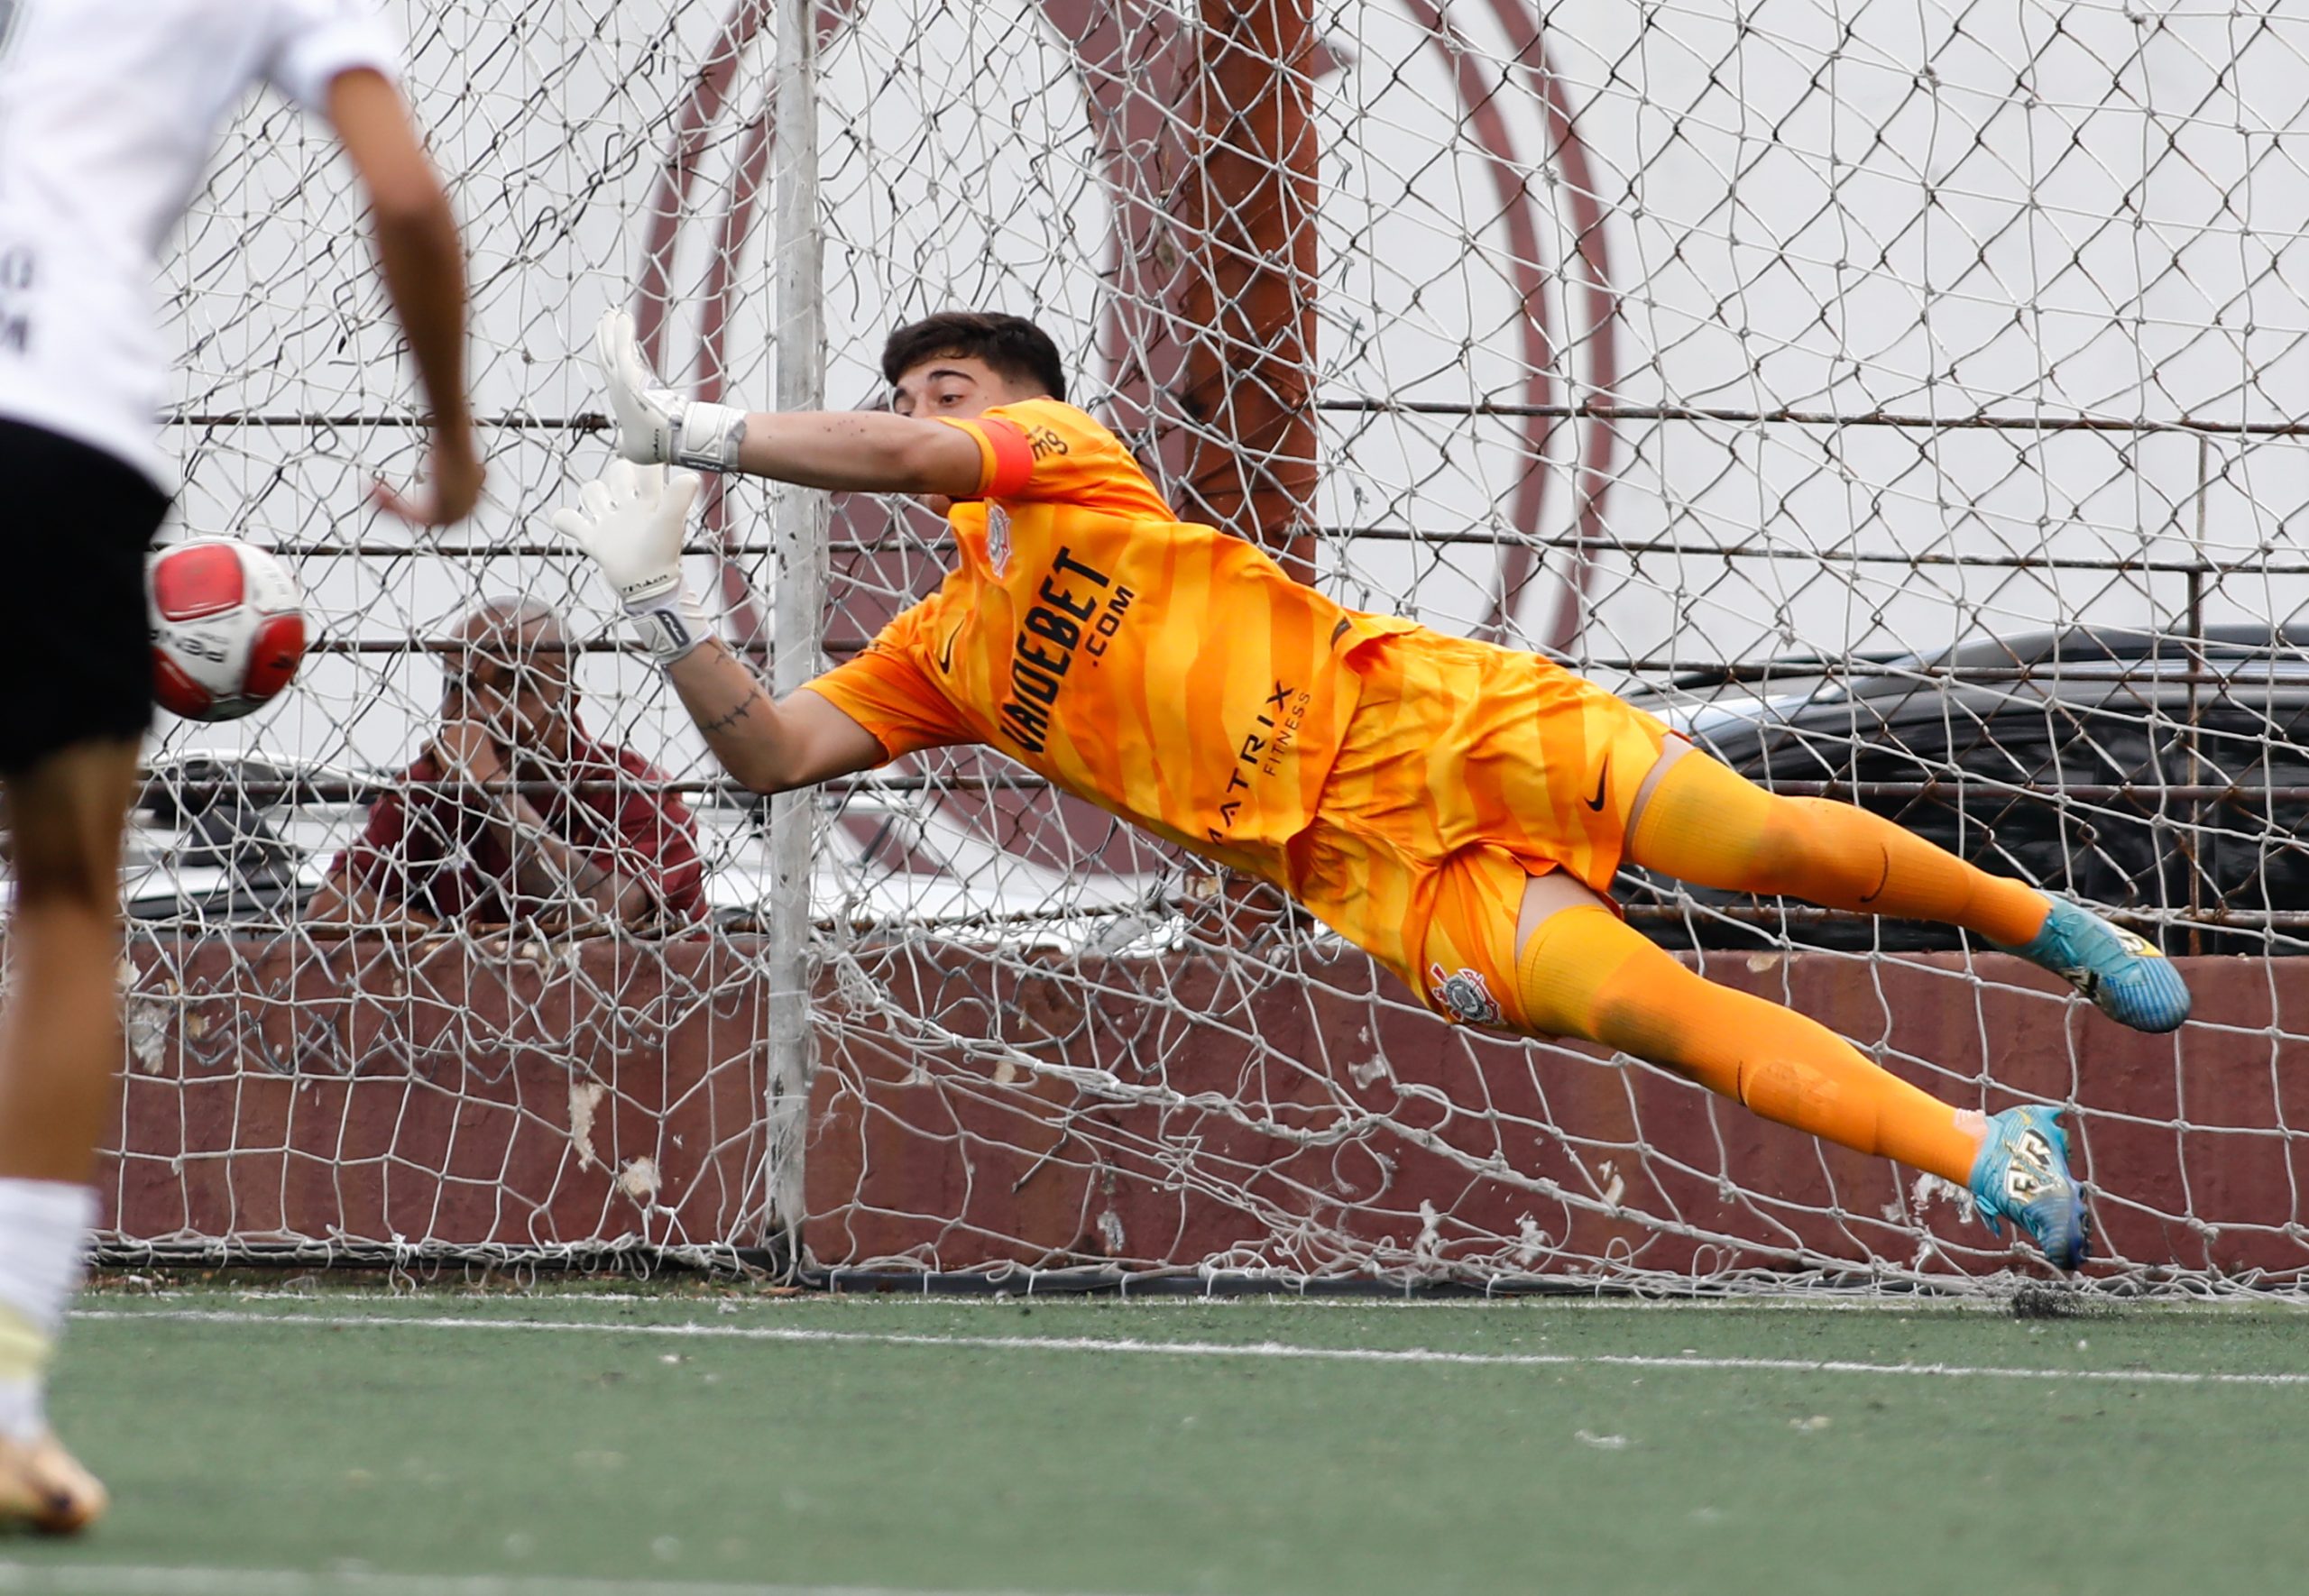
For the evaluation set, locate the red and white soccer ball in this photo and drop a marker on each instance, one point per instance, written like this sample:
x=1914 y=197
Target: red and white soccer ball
x=229 y=628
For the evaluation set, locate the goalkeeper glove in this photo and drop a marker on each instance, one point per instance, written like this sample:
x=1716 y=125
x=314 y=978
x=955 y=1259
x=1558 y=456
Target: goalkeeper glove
x=631 y=521
x=655 y=425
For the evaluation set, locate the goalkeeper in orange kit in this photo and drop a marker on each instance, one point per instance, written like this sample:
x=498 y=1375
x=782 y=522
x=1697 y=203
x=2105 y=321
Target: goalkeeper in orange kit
x=1458 y=810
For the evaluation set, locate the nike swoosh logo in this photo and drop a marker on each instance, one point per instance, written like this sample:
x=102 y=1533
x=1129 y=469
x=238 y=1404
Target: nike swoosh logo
x=1883 y=880
x=946 y=655
x=1602 y=778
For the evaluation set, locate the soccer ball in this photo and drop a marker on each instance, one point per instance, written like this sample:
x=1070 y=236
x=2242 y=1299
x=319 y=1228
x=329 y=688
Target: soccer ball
x=229 y=628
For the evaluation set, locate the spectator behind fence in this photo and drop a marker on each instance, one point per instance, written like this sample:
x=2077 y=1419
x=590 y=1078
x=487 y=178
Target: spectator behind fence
x=512 y=811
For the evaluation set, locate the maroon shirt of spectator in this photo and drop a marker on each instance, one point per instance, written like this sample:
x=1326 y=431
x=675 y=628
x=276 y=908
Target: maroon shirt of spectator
x=431 y=850
x=512 y=811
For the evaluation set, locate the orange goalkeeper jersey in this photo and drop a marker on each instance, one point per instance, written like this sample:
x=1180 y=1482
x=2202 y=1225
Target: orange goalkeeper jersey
x=1168 y=672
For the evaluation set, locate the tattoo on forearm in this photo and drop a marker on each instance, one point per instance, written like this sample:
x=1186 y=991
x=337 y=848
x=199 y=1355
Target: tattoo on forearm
x=744 y=707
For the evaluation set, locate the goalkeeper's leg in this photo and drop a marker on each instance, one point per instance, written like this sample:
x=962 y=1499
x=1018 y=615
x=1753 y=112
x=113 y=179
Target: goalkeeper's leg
x=1581 y=972
x=59 y=1045
x=1698 y=820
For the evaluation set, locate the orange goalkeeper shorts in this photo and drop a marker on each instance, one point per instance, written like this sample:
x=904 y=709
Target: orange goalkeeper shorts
x=1466 y=770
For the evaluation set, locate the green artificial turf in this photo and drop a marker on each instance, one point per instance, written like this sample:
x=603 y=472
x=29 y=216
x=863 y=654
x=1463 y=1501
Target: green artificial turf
x=911 y=1445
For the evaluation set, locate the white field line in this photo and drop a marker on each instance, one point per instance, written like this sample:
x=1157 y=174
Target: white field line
x=101 y=1579
x=1797 y=1300
x=1209 y=1349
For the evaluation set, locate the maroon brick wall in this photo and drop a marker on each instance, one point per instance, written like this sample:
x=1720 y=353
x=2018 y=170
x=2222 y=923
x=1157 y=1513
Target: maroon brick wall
x=528 y=1095
x=2193 y=1126
x=373 y=1091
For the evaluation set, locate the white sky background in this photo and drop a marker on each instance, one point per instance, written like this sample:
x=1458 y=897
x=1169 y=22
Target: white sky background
x=1937 y=209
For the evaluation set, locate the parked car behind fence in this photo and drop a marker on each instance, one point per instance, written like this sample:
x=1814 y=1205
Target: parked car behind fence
x=2163 y=775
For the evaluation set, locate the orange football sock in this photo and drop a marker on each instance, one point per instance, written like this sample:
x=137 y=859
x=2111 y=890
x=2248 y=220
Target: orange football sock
x=1708 y=824
x=1584 y=973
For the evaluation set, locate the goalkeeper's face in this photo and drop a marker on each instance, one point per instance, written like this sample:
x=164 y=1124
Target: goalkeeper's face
x=954 y=386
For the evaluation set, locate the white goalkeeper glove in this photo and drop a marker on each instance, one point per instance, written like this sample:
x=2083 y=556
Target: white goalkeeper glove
x=655 y=425
x=631 y=520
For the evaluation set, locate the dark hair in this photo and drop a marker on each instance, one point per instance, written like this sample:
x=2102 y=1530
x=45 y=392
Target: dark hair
x=1017 y=351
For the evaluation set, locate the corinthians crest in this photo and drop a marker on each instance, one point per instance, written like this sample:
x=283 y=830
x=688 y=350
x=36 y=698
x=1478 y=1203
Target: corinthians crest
x=1463 y=995
x=997 y=538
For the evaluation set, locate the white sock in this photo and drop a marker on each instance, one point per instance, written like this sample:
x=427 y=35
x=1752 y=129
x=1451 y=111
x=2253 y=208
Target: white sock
x=44 y=1226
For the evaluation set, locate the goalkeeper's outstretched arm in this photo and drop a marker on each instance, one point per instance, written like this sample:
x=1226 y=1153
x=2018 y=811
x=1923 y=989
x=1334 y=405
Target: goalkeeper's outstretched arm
x=632 y=522
x=768 y=746
x=845 y=451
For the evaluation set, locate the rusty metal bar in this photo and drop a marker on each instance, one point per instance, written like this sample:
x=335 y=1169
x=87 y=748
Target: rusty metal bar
x=1790 y=417
x=1246 y=226
x=1722 y=673
x=1766 y=914
x=907 y=544
x=590 y=421
x=2194 y=581
x=347 y=790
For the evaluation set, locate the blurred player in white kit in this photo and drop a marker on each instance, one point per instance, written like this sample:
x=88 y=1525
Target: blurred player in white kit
x=109 y=110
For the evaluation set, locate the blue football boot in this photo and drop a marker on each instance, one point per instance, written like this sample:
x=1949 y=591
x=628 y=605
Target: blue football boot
x=2022 y=1175
x=2126 y=977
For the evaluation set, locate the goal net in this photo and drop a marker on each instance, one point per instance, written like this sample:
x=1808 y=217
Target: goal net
x=1899 y=397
